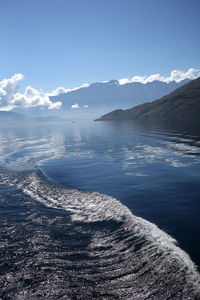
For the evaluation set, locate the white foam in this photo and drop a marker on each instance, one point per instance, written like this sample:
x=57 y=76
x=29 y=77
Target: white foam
x=93 y=207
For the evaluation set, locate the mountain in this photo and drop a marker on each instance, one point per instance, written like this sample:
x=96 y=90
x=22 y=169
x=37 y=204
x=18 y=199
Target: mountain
x=9 y=116
x=101 y=97
x=180 y=106
x=98 y=98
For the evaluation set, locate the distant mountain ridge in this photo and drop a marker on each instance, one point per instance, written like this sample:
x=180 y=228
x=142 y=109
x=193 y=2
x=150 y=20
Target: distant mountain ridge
x=181 y=105
x=102 y=97
x=9 y=115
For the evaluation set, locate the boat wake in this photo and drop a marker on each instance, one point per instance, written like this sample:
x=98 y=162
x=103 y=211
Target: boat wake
x=64 y=243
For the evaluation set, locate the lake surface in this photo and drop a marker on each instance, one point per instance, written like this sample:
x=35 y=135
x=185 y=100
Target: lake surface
x=64 y=236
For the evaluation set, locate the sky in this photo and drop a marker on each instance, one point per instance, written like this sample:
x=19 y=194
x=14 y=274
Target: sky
x=64 y=43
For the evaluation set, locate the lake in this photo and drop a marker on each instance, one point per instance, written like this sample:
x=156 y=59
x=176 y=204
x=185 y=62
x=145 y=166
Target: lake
x=64 y=234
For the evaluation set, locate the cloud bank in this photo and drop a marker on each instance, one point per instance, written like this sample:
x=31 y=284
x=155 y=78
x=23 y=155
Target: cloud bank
x=175 y=75
x=11 y=98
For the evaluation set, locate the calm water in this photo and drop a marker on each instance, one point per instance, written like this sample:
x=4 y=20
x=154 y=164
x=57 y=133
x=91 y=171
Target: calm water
x=73 y=244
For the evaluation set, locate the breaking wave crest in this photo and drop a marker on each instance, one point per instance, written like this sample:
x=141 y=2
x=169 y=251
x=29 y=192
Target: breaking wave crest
x=102 y=251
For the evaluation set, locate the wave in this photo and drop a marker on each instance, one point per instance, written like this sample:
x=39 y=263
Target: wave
x=109 y=253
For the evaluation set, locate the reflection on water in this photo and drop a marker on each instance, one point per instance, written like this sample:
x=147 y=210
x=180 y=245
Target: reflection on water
x=23 y=148
x=115 y=141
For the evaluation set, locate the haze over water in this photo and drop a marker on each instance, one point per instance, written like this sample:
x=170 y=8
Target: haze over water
x=155 y=173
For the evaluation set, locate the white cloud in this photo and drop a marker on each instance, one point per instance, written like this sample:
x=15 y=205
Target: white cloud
x=62 y=90
x=82 y=86
x=8 y=88
x=175 y=75
x=55 y=105
x=86 y=106
x=75 y=106
x=58 y=91
x=6 y=108
x=10 y=97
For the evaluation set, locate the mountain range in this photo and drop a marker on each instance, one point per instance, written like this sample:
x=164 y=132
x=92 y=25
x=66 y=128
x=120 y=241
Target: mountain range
x=99 y=98
x=180 y=106
x=9 y=115
x=102 y=97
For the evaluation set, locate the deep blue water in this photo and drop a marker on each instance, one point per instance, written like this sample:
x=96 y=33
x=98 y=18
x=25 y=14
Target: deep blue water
x=153 y=172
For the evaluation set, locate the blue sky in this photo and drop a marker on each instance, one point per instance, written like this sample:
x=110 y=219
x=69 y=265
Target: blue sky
x=67 y=43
